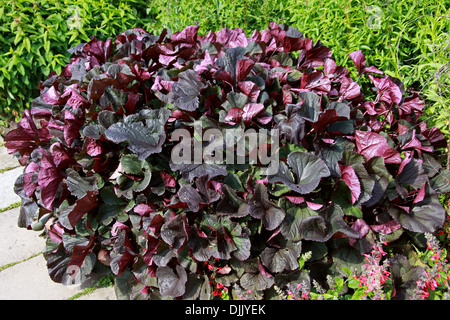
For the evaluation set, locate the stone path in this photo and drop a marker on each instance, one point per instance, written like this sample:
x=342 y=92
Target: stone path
x=23 y=270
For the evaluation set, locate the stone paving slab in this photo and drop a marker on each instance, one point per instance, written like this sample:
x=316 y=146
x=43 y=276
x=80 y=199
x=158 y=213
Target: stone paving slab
x=29 y=280
x=7 y=160
x=7 y=180
x=17 y=244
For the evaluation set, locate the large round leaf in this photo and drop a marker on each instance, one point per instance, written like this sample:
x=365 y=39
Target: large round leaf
x=171 y=283
x=323 y=226
x=306 y=171
x=280 y=259
x=423 y=216
x=261 y=208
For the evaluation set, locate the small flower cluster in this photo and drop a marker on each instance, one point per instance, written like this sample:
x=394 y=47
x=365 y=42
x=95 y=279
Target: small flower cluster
x=373 y=281
x=219 y=288
x=437 y=275
x=374 y=273
x=243 y=294
x=369 y=283
x=299 y=292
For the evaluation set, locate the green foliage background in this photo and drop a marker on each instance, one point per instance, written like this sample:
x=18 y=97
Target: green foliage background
x=35 y=36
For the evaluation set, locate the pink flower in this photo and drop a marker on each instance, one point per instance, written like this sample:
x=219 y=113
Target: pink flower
x=423 y=295
x=435 y=257
x=219 y=285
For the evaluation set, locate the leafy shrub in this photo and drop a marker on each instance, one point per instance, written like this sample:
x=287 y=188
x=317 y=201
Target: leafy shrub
x=100 y=178
x=429 y=72
x=384 y=30
x=423 y=275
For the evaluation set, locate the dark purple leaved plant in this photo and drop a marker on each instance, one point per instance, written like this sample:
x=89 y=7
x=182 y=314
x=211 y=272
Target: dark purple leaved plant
x=100 y=181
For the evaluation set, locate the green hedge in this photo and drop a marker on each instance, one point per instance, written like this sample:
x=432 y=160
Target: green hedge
x=35 y=36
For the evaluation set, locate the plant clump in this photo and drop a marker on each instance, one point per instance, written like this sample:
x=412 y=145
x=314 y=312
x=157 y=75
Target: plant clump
x=101 y=181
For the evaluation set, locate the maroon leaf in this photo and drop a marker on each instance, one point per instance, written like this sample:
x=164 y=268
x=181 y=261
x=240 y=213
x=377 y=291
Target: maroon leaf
x=70 y=215
x=80 y=251
x=143 y=209
x=168 y=180
x=361 y=227
x=205 y=64
x=434 y=135
x=51 y=96
x=27 y=136
x=328 y=117
x=415 y=144
x=251 y=110
x=349 y=90
x=387 y=227
x=243 y=68
x=261 y=207
x=76 y=100
x=350 y=178
x=99 y=49
x=316 y=57
x=360 y=62
x=315 y=80
x=61 y=156
x=29 y=187
x=234 y=115
x=97 y=87
x=412 y=105
x=49 y=179
x=187 y=36
x=152 y=224
x=250 y=89
x=93 y=147
x=371 y=144
x=370 y=108
x=122 y=254
x=420 y=195
x=388 y=90
x=71 y=128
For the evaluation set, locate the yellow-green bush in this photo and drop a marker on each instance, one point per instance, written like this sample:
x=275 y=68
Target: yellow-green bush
x=35 y=36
